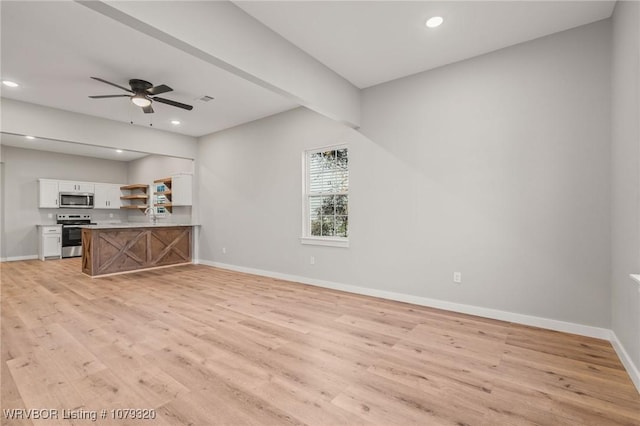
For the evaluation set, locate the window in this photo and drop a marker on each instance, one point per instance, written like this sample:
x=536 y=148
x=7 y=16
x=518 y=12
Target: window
x=326 y=198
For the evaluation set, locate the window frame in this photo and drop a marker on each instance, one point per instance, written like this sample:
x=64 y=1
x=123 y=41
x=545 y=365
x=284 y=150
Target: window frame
x=307 y=238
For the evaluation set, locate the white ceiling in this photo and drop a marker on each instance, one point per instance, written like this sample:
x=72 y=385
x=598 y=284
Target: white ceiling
x=63 y=147
x=371 y=42
x=52 y=48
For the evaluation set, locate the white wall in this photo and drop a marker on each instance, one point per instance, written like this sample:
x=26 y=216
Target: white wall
x=152 y=167
x=22 y=168
x=250 y=194
x=625 y=251
x=503 y=169
x=496 y=167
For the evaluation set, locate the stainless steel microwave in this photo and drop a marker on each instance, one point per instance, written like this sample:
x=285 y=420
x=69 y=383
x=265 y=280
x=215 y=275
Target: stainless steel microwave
x=76 y=200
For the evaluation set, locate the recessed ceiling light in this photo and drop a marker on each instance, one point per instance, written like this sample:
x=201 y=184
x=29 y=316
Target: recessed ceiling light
x=30 y=137
x=175 y=122
x=9 y=83
x=118 y=151
x=434 y=21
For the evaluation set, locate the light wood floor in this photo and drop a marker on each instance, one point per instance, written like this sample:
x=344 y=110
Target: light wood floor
x=205 y=346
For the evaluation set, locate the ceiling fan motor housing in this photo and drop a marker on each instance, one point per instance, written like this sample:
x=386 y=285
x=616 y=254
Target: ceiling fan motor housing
x=139 y=85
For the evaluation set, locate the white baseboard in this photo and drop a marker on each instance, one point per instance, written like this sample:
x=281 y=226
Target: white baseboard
x=551 y=324
x=16 y=258
x=631 y=368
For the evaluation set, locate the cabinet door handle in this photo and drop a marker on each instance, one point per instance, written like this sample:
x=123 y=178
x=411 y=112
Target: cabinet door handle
x=58 y=240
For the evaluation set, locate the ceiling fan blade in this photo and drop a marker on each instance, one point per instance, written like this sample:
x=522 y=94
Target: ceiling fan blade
x=147 y=109
x=109 y=96
x=113 y=84
x=173 y=103
x=163 y=88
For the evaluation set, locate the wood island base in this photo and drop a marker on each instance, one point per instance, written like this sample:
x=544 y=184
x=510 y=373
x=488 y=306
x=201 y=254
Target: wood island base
x=107 y=251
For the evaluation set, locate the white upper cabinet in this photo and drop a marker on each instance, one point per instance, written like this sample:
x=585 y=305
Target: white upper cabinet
x=182 y=191
x=107 y=196
x=48 y=194
x=70 y=186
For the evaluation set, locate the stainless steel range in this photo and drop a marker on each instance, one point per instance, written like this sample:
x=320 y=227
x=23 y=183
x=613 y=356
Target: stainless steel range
x=72 y=233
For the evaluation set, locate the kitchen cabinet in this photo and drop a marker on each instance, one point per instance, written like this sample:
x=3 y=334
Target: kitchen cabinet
x=48 y=193
x=70 y=186
x=181 y=186
x=174 y=191
x=50 y=241
x=107 y=196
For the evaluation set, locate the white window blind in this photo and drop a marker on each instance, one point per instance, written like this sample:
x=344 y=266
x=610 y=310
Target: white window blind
x=327 y=193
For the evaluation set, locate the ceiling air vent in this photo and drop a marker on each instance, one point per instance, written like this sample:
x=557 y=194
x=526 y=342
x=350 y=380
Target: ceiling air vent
x=205 y=98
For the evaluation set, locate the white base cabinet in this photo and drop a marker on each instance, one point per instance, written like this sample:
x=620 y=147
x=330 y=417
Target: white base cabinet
x=50 y=241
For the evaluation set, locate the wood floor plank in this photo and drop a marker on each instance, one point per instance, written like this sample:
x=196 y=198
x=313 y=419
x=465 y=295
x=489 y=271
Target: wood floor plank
x=306 y=405
x=207 y=346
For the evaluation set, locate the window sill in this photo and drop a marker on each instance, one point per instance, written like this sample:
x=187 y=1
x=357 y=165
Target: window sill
x=330 y=242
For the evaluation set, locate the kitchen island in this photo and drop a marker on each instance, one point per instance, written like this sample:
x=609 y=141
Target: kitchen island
x=126 y=247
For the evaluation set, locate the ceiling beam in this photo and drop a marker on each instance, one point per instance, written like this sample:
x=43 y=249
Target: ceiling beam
x=23 y=118
x=225 y=36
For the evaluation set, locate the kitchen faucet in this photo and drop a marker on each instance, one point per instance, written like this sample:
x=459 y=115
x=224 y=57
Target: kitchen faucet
x=152 y=215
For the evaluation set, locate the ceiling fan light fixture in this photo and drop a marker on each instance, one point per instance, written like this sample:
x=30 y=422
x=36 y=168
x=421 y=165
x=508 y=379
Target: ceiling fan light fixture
x=141 y=101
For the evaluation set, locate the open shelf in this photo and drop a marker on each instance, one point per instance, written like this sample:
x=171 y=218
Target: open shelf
x=140 y=186
x=137 y=206
x=134 y=197
x=167 y=206
x=135 y=194
x=166 y=194
x=166 y=181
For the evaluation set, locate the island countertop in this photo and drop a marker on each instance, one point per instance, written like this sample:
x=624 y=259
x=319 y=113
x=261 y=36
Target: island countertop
x=136 y=225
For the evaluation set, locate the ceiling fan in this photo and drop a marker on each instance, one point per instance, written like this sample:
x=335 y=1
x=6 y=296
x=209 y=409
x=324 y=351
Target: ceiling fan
x=143 y=94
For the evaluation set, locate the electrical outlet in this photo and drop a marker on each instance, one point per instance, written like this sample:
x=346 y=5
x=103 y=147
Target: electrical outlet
x=457 y=277
x=224 y=250
x=312 y=260
x=50 y=215
x=110 y=215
